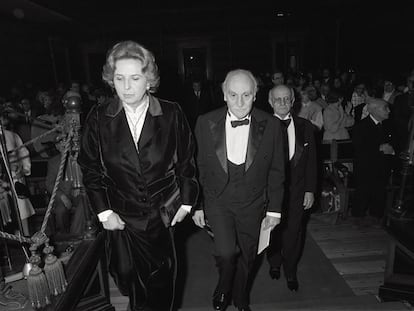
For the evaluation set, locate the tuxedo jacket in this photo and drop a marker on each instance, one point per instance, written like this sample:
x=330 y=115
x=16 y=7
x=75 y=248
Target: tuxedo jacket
x=302 y=169
x=369 y=161
x=118 y=177
x=264 y=165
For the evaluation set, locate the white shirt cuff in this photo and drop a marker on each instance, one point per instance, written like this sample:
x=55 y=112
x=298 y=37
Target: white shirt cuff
x=274 y=214
x=187 y=208
x=103 y=216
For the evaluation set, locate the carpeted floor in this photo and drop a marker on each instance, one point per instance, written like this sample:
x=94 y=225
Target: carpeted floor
x=197 y=275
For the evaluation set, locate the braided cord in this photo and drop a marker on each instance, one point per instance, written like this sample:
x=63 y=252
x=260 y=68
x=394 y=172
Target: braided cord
x=58 y=180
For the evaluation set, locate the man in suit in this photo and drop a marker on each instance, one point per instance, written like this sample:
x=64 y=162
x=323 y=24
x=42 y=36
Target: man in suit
x=241 y=171
x=373 y=148
x=300 y=186
x=198 y=100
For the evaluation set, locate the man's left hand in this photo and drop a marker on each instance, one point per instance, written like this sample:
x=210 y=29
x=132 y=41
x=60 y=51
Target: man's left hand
x=271 y=222
x=308 y=200
x=179 y=216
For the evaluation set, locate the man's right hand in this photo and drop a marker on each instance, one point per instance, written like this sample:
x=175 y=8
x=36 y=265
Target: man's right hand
x=198 y=218
x=114 y=222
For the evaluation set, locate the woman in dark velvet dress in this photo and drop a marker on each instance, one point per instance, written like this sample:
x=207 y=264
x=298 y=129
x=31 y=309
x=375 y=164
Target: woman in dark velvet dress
x=136 y=152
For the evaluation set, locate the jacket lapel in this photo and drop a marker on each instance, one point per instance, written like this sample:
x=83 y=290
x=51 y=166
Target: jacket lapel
x=151 y=123
x=118 y=124
x=255 y=137
x=299 y=141
x=121 y=135
x=218 y=131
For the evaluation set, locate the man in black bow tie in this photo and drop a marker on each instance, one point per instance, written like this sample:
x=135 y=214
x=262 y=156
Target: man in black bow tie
x=286 y=240
x=241 y=170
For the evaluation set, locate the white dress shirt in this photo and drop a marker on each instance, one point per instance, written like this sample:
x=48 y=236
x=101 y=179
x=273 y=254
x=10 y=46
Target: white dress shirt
x=237 y=139
x=136 y=118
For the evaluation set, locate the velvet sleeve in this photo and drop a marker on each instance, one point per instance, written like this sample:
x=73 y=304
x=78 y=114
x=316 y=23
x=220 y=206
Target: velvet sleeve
x=185 y=162
x=91 y=165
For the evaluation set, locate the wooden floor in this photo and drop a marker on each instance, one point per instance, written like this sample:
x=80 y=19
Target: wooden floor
x=358 y=254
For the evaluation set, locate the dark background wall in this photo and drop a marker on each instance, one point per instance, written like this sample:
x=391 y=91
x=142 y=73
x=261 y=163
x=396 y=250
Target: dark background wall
x=68 y=40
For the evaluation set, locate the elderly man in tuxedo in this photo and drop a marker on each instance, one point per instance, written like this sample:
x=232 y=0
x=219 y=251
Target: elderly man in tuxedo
x=241 y=171
x=374 y=151
x=286 y=241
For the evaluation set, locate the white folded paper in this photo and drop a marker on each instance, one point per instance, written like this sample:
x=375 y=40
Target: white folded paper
x=264 y=237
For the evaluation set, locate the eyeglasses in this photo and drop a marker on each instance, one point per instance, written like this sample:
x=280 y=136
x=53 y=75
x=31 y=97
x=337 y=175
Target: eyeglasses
x=279 y=100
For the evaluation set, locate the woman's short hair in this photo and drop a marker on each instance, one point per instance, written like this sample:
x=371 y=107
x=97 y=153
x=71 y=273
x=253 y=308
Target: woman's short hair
x=131 y=50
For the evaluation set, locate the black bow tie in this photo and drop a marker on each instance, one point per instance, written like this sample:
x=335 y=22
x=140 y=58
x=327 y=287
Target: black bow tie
x=286 y=122
x=237 y=123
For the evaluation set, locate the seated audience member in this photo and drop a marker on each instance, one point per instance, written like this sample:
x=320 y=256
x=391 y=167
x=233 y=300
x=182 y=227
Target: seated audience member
x=20 y=167
x=402 y=112
x=336 y=118
x=70 y=205
x=315 y=97
x=309 y=110
x=372 y=163
x=278 y=78
x=390 y=92
x=325 y=89
x=358 y=101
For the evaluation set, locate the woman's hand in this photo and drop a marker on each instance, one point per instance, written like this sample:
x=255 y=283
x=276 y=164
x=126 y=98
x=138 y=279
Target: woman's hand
x=114 y=222
x=198 y=218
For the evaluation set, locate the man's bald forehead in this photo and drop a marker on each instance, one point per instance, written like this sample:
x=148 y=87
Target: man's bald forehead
x=281 y=89
x=240 y=75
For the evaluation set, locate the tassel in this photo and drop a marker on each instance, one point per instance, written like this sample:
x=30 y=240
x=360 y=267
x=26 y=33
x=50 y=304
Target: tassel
x=54 y=272
x=37 y=283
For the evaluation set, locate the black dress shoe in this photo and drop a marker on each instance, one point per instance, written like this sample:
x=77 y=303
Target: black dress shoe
x=220 y=301
x=293 y=284
x=244 y=308
x=274 y=273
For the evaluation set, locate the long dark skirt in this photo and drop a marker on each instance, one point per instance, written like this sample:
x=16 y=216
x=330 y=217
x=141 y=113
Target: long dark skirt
x=142 y=263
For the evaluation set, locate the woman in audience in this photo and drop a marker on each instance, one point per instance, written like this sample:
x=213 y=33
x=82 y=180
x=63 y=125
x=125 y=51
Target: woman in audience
x=336 y=117
x=309 y=110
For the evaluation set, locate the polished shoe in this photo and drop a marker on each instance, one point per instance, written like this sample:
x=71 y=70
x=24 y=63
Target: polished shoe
x=293 y=284
x=247 y=308
x=220 y=301
x=274 y=273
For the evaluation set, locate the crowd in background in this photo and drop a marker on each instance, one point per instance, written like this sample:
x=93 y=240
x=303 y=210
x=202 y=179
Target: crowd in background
x=333 y=102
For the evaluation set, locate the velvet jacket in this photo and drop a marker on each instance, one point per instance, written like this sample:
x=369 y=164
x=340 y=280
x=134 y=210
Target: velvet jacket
x=264 y=165
x=118 y=177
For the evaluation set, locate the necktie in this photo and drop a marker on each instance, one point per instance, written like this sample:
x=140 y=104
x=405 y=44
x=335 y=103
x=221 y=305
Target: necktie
x=285 y=125
x=237 y=123
x=286 y=122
